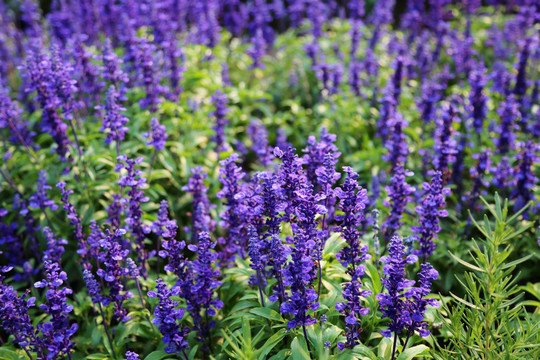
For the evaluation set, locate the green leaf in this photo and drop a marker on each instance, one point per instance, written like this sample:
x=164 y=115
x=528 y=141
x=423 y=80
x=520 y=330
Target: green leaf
x=267 y=313
x=8 y=354
x=271 y=343
x=516 y=262
x=465 y=263
x=156 y=355
x=385 y=348
x=410 y=353
x=299 y=351
x=89 y=357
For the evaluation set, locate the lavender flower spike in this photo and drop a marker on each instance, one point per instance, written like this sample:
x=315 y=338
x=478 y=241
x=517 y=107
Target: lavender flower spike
x=113 y=121
x=168 y=317
x=199 y=289
x=15 y=319
x=40 y=199
x=201 y=219
x=430 y=211
x=130 y=355
x=157 y=136
x=220 y=100
x=394 y=281
x=56 y=332
x=353 y=201
x=417 y=303
x=399 y=194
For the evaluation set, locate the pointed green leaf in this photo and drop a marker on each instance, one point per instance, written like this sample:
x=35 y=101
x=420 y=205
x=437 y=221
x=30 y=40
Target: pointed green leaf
x=267 y=313
x=410 y=353
x=271 y=343
x=299 y=350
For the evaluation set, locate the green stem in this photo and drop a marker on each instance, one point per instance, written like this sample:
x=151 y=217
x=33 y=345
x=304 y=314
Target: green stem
x=107 y=330
x=307 y=341
x=394 y=347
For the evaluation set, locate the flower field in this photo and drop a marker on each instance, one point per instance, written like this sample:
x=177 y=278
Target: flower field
x=270 y=179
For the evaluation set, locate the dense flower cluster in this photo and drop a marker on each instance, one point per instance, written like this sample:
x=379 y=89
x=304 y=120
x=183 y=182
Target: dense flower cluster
x=135 y=183
x=168 y=317
x=399 y=194
x=15 y=318
x=230 y=88
x=201 y=219
x=430 y=211
x=220 y=100
x=157 y=135
x=113 y=120
x=403 y=304
x=353 y=201
x=56 y=333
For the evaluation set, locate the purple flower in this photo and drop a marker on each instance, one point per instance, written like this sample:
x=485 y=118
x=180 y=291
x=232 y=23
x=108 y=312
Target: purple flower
x=92 y=286
x=396 y=143
x=430 y=96
x=201 y=219
x=206 y=29
x=272 y=202
x=147 y=70
x=200 y=288
x=330 y=76
x=524 y=176
x=86 y=72
x=315 y=152
x=260 y=31
x=38 y=76
x=174 y=71
x=257 y=249
x=509 y=115
x=259 y=142
x=327 y=176
x=281 y=140
x=111 y=257
x=352 y=202
x=114 y=211
x=130 y=355
x=12 y=246
x=399 y=194
x=316 y=12
x=157 y=136
x=291 y=177
x=445 y=144
x=31 y=18
x=56 y=333
x=173 y=249
x=220 y=100
x=15 y=319
x=40 y=200
x=502 y=173
x=478 y=98
x=233 y=218
x=520 y=87
x=355 y=80
x=55 y=247
x=430 y=211
x=234 y=16
x=417 y=303
x=392 y=303
x=168 y=317
x=112 y=69
x=10 y=117
x=135 y=183
x=478 y=176
x=300 y=272
x=113 y=121
x=75 y=221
